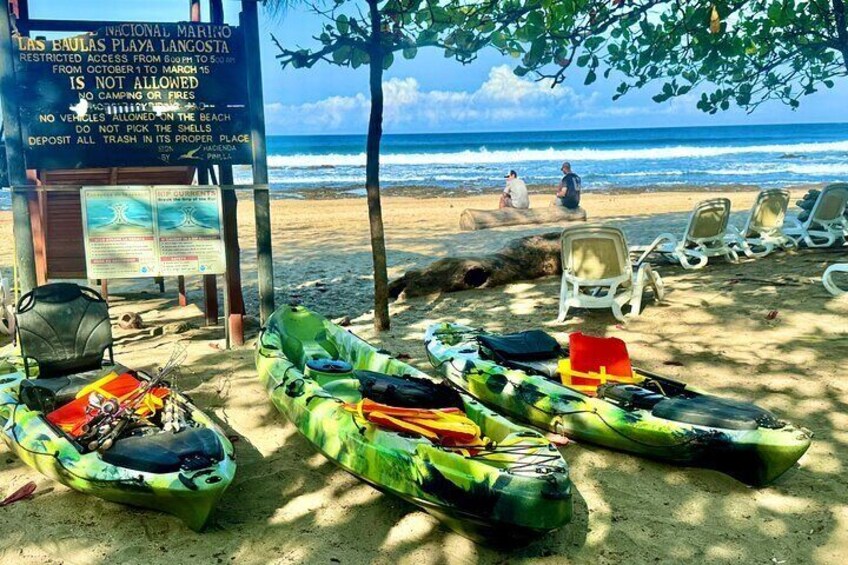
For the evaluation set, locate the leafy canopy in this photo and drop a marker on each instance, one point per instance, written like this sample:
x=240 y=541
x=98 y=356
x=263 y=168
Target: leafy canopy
x=347 y=38
x=742 y=52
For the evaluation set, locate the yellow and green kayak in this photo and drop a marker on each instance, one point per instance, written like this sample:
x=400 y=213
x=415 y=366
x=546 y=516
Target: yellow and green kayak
x=513 y=486
x=652 y=416
x=183 y=473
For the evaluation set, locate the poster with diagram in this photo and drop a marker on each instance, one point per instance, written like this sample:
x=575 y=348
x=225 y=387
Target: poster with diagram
x=133 y=231
x=188 y=221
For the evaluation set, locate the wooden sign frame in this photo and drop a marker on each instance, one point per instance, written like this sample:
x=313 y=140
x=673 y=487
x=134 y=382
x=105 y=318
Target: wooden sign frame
x=23 y=179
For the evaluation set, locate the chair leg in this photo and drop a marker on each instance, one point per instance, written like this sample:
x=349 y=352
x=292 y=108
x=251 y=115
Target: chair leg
x=684 y=256
x=563 y=300
x=656 y=282
x=827 y=279
x=732 y=256
x=616 y=311
x=636 y=300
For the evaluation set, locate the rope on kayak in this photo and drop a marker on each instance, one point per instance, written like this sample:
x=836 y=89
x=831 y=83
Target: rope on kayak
x=529 y=450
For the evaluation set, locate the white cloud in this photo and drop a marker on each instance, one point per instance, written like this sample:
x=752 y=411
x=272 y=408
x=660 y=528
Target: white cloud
x=502 y=98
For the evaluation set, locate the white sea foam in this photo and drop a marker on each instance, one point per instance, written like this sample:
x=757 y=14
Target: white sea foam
x=485 y=156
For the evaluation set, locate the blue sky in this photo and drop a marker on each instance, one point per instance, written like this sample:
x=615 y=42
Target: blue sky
x=432 y=93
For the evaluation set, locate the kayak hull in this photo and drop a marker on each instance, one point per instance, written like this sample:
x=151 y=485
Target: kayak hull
x=475 y=496
x=756 y=457
x=189 y=495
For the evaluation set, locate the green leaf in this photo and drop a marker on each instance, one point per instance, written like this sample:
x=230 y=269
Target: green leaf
x=388 y=59
x=342 y=24
x=590 y=78
x=342 y=55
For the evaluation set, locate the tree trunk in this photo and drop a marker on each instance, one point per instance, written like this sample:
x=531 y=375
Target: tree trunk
x=372 y=176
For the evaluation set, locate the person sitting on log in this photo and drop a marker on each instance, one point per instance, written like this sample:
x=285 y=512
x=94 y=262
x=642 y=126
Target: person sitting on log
x=568 y=193
x=515 y=193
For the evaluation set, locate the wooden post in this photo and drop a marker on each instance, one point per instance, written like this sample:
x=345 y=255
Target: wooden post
x=233 y=296
x=261 y=198
x=210 y=294
x=22 y=228
x=181 y=289
x=216 y=11
x=104 y=289
x=210 y=284
x=194 y=10
x=22 y=16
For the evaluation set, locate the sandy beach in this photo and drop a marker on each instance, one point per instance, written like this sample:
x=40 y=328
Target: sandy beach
x=288 y=504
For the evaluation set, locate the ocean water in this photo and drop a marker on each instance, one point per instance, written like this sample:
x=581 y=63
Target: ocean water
x=766 y=156
x=650 y=158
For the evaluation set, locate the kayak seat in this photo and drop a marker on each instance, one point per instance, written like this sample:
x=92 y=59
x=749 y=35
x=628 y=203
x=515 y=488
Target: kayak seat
x=548 y=368
x=630 y=396
x=406 y=391
x=166 y=452
x=46 y=395
x=715 y=412
x=64 y=328
x=532 y=345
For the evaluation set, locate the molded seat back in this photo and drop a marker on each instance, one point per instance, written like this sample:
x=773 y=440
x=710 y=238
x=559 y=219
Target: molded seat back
x=65 y=328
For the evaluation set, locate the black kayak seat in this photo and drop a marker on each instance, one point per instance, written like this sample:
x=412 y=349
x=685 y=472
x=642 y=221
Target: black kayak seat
x=532 y=345
x=548 y=368
x=715 y=412
x=166 y=452
x=406 y=391
x=46 y=395
x=65 y=328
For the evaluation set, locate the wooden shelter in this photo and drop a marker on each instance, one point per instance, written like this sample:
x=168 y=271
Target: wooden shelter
x=46 y=202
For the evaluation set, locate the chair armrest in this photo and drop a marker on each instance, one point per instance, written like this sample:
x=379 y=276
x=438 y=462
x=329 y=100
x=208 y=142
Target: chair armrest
x=660 y=239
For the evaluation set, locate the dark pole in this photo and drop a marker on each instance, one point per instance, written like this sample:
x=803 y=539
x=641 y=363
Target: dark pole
x=22 y=227
x=210 y=282
x=216 y=11
x=261 y=198
x=233 y=296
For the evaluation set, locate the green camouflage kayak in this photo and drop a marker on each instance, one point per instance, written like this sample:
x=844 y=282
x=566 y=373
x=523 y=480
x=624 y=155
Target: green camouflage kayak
x=513 y=488
x=182 y=473
x=655 y=417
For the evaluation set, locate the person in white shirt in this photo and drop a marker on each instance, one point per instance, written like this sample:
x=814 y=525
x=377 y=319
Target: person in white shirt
x=515 y=193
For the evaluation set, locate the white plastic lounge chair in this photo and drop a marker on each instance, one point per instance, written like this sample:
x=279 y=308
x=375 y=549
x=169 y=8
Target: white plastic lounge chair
x=762 y=232
x=597 y=272
x=826 y=223
x=704 y=237
x=827 y=279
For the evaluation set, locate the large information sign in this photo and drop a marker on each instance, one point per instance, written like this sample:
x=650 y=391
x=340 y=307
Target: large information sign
x=135 y=94
x=152 y=231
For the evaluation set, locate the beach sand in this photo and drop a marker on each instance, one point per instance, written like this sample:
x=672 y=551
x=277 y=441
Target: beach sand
x=288 y=504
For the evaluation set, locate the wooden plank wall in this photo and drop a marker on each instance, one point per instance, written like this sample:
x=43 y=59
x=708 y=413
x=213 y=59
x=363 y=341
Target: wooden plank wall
x=57 y=215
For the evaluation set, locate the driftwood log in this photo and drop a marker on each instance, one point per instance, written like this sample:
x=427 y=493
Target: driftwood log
x=472 y=220
x=526 y=258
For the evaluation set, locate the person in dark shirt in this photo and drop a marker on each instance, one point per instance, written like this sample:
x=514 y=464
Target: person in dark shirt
x=569 y=188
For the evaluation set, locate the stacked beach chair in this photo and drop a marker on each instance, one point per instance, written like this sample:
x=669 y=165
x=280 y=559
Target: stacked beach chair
x=597 y=272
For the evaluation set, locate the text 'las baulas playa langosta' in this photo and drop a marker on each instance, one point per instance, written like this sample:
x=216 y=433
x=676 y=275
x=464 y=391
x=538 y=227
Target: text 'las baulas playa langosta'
x=135 y=94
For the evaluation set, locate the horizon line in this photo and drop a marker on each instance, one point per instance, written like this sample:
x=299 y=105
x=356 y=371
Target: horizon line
x=583 y=129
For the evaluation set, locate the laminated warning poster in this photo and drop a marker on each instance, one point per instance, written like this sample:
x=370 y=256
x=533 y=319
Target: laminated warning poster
x=152 y=231
x=188 y=221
